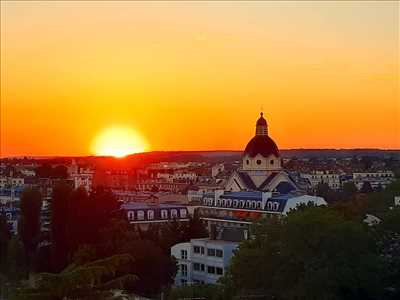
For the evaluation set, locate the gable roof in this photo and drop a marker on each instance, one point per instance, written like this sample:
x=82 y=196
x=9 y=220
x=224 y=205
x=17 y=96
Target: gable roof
x=268 y=180
x=247 y=180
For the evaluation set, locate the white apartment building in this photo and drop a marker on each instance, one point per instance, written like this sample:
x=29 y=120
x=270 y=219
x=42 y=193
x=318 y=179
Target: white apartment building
x=382 y=178
x=202 y=261
x=316 y=177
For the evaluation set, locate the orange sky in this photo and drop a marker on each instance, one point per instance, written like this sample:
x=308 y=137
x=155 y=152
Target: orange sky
x=193 y=75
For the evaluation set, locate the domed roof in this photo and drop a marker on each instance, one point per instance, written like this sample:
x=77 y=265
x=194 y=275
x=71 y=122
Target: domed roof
x=261 y=121
x=261 y=144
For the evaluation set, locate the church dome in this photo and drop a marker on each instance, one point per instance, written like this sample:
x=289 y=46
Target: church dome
x=261 y=121
x=261 y=144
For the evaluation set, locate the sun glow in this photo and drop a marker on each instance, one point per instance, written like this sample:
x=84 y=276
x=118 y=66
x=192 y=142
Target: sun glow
x=118 y=142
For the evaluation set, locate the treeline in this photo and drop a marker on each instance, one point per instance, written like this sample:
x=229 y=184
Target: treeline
x=89 y=236
x=317 y=253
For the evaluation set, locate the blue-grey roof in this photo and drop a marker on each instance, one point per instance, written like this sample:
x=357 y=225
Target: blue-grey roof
x=243 y=195
x=142 y=205
x=247 y=180
x=268 y=180
x=285 y=187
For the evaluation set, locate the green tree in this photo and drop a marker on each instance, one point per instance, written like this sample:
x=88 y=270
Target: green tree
x=93 y=280
x=29 y=221
x=16 y=260
x=315 y=250
x=59 y=225
x=349 y=189
x=5 y=236
x=366 y=188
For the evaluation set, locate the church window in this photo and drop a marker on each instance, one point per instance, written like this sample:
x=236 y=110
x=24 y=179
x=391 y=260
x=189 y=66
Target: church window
x=258 y=161
x=271 y=162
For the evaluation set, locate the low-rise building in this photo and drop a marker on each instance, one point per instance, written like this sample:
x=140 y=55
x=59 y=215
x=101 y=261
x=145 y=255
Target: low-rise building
x=204 y=261
x=241 y=209
x=379 y=178
x=330 y=178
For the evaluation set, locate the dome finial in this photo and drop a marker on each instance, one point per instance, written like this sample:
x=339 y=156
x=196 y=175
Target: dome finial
x=261 y=113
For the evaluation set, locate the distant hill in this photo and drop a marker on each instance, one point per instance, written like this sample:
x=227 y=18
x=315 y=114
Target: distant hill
x=140 y=159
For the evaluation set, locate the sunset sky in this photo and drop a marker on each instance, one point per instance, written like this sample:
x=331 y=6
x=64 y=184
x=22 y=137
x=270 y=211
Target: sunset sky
x=194 y=75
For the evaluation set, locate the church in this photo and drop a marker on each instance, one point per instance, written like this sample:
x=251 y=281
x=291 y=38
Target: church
x=261 y=166
x=259 y=188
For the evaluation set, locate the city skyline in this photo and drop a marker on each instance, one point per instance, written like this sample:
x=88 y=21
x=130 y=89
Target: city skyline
x=190 y=76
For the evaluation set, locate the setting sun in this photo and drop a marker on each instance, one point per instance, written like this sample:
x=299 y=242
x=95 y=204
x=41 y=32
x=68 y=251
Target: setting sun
x=118 y=142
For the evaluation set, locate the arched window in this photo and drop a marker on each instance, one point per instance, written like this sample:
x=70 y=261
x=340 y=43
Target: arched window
x=164 y=214
x=258 y=161
x=174 y=213
x=131 y=215
x=271 y=162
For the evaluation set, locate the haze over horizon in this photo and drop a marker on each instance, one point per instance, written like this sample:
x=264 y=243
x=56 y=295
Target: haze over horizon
x=195 y=75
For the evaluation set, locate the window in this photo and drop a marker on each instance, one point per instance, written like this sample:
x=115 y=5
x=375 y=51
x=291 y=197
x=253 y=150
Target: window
x=184 y=254
x=164 y=214
x=202 y=250
x=184 y=270
x=140 y=215
x=219 y=271
x=258 y=162
x=247 y=162
x=174 y=213
x=211 y=252
x=202 y=267
x=183 y=213
x=196 y=249
x=271 y=162
x=131 y=215
x=196 y=266
x=219 y=253
x=150 y=214
x=183 y=282
x=210 y=269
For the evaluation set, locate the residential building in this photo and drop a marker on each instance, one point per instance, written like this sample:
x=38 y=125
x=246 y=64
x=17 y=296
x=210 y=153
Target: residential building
x=144 y=214
x=204 y=261
x=330 y=178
